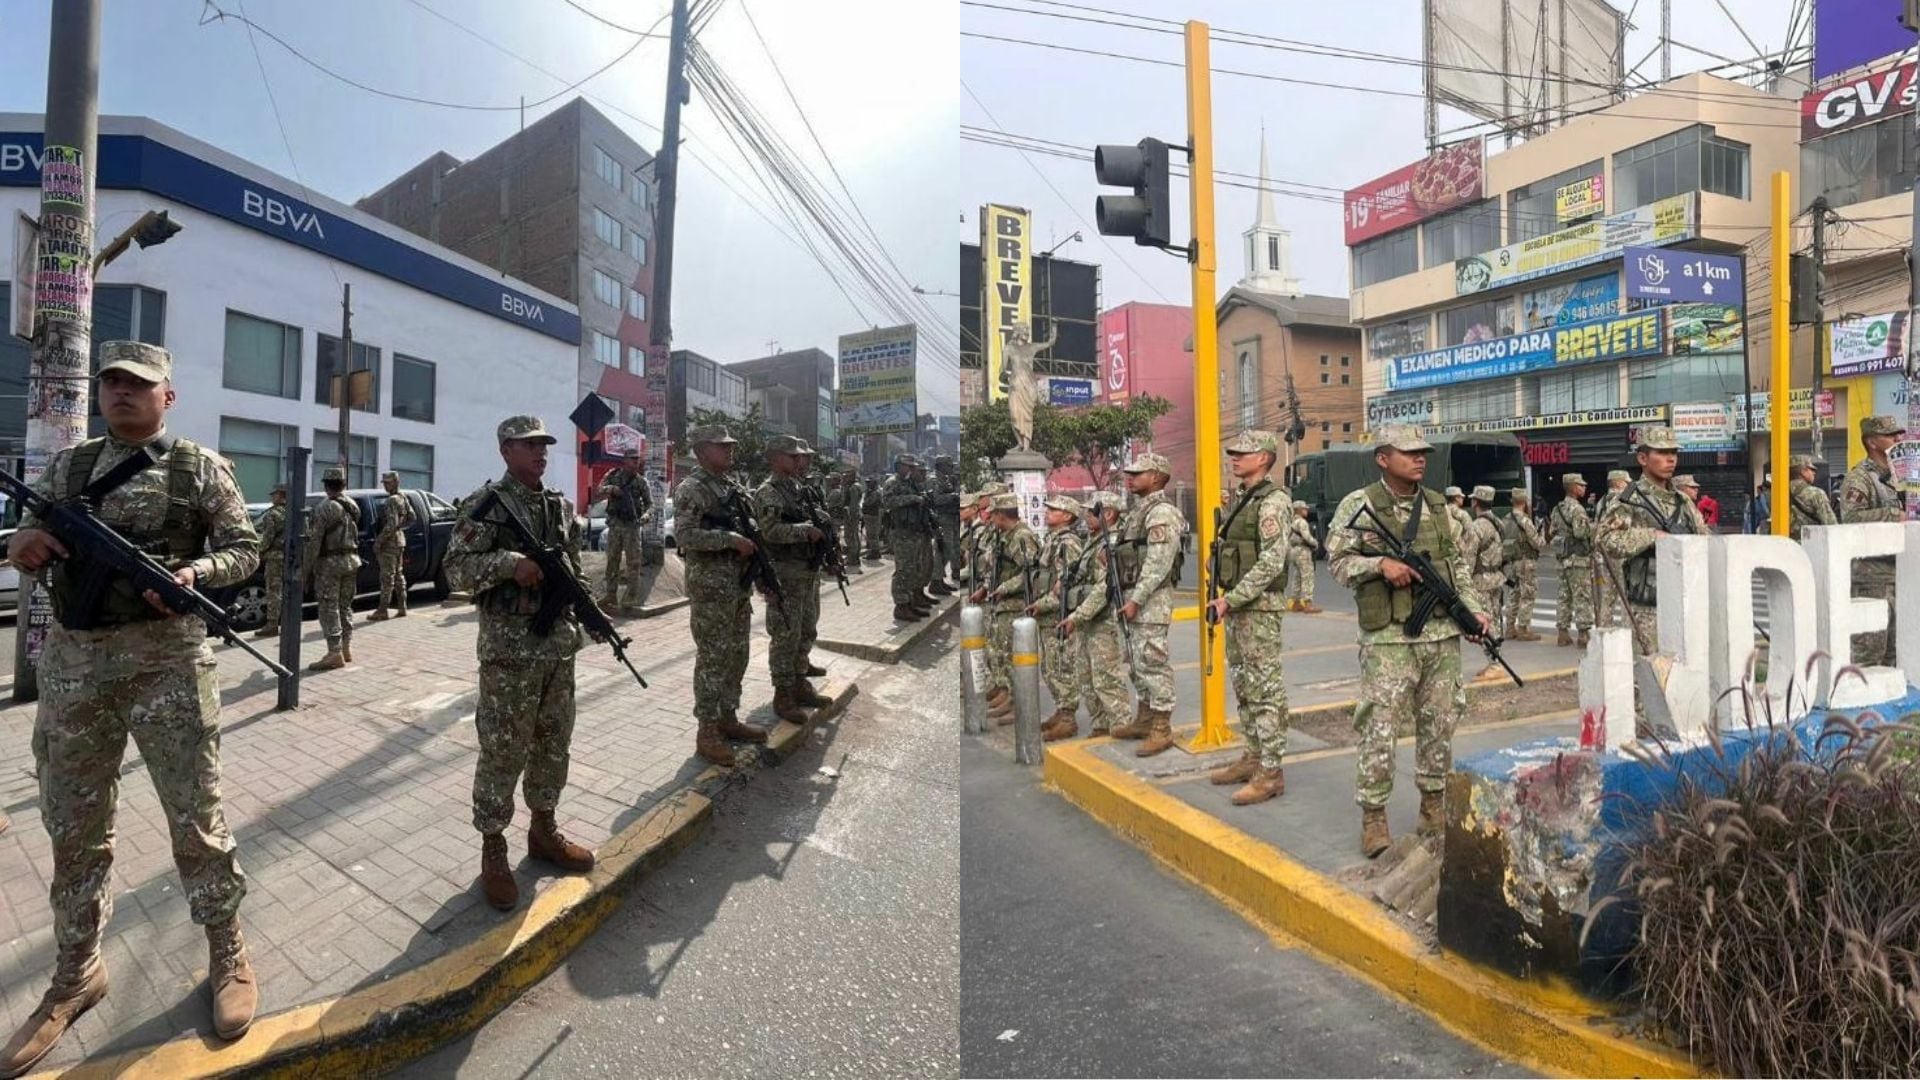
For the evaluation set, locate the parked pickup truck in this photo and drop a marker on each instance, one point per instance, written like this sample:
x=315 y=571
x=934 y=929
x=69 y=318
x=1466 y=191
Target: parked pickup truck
x=427 y=540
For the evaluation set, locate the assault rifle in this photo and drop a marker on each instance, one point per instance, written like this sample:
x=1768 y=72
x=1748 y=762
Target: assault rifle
x=1213 y=591
x=1065 y=587
x=98 y=553
x=561 y=590
x=826 y=553
x=1116 y=593
x=736 y=516
x=1431 y=591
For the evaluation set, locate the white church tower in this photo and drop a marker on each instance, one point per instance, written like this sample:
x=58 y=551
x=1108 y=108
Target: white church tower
x=1268 y=247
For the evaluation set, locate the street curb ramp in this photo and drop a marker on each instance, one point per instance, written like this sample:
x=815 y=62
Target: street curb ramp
x=385 y=1025
x=1547 y=1028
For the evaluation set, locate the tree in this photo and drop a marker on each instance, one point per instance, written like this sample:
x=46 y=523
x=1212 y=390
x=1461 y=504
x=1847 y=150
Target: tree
x=1092 y=436
x=750 y=453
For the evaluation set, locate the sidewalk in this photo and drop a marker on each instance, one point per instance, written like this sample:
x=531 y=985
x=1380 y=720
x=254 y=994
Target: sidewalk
x=867 y=630
x=353 y=816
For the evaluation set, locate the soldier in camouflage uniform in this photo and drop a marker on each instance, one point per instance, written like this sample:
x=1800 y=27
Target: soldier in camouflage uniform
x=1806 y=503
x=1573 y=545
x=1300 y=575
x=1252 y=572
x=390 y=547
x=843 y=502
x=705 y=509
x=784 y=507
x=984 y=553
x=911 y=539
x=874 y=517
x=1016 y=556
x=1521 y=540
x=1606 y=594
x=128 y=667
x=1646 y=510
x=1089 y=622
x=1405 y=682
x=332 y=563
x=273 y=560
x=944 y=501
x=1149 y=550
x=1457 y=509
x=629 y=506
x=1489 y=556
x=1867 y=494
x=524 y=718
x=1060 y=552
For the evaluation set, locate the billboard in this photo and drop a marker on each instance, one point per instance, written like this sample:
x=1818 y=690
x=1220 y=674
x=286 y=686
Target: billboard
x=1867 y=345
x=1703 y=425
x=1849 y=33
x=1450 y=177
x=1664 y=222
x=1006 y=283
x=1068 y=393
x=1653 y=274
x=877 y=389
x=1615 y=337
x=1863 y=100
x=1571 y=49
x=1115 y=381
x=1575 y=301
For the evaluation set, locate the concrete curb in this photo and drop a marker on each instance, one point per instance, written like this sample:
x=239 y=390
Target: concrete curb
x=890 y=653
x=380 y=1027
x=1551 y=1029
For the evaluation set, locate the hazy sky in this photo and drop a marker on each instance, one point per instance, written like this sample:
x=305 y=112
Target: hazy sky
x=1334 y=138
x=878 y=79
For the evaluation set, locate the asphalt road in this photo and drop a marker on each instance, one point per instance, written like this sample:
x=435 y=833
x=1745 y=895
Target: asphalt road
x=812 y=932
x=1081 y=957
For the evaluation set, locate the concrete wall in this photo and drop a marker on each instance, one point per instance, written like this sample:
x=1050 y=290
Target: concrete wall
x=1154 y=360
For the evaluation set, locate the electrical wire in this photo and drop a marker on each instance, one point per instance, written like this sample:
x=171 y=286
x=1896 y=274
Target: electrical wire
x=273 y=103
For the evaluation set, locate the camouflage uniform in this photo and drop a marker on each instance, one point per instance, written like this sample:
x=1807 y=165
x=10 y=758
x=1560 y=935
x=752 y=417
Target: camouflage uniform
x=1606 y=594
x=1015 y=556
x=844 y=502
x=524 y=718
x=1060 y=553
x=1152 y=529
x=273 y=562
x=1626 y=529
x=905 y=507
x=783 y=507
x=1522 y=570
x=1866 y=495
x=629 y=505
x=722 y=609
x=1462 y=518
x=1254 y=572
x=946 y=515
x=390 y=547
x=138 y=674
x=333 y=559
x=1404 y=682
x=1300 y=545
x=986 y=554
x=874 y=517
x=1487 y=555
x=1573 y=542
x=1806 y=503
x=1102 y=658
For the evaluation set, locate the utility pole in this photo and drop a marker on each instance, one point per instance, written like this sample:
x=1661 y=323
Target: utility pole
x=1206 y=375
x=1666 y=40
x=1781 y=341
x=667 y=167
x=344 y=376
x=1819 y=209
x=1910 y=18
x=58 y=378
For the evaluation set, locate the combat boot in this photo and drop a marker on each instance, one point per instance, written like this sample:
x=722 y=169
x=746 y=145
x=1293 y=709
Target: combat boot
x=1525 y=633
x=1265 y=784
x=1564 y=639
x=786 y=707
x=806 y=695
x=903 y=613
x=1433 y=812
x=1239 y=772
x=1159 y=734
x=346 y=650
x=1308 y=607
x=267 y=631
x=330 y=662
x=1582 y=643
x=496 y=878
x=546 y=843
x=712 y=746
x=230 y=977
x=815 y=671
x=1135 y=728
x=400 y=609
x=1061 y=725
x=379 y=615
x=1373 y=831
x=731 y=728
x=79 y=982
x=940 y=588
x=998 y=697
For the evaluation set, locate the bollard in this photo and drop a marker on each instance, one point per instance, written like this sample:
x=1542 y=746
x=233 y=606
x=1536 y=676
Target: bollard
x=1026 y=691
x=973 y=669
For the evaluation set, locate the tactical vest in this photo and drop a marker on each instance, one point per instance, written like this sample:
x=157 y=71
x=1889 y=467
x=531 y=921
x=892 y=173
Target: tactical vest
x=1638 y=572
x=181 y=538
x=1082 y=578
x=1571 y=546
x=1381 y=604
x=1240 y=541
x=624 y=504
x=797 y=550
x=344 y=538
x=1129 y=554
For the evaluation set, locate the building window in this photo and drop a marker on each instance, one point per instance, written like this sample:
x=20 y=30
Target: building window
x=1865 y=163
x=1326 y=427
x=262 y=357
x=1346 y=378
x=413 y=389
x=1595 y=387
x=363 y=469
x=731 y=389
x=1273 y=253
x=257 y=451
x=1249 y=382
x=325 y=367
x=1346 y=361
x=636 y=303
x=1486 y=399
x=607 y=228
x=1459 y=233
x=606 y=289
x=636 y=359
x=1477 y=322
x=1326 y=444
x=414 y=463
x=605 y=349
x=1530 y=207
x=1346 y=428
x=700 y=377
x=1384 y=258
x=1325 y=378
x=1709 y=377
x=608 y=168
x=1685 y=160
x=1403 y=338
x=637 y=192
x=636 y=418
x=1325 y=359
x=637 y=246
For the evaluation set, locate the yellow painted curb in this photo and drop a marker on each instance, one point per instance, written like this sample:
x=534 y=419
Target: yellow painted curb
x=1544 y=1029
x=380 y=1027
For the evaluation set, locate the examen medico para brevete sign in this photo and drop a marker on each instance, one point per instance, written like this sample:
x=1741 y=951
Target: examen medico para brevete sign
x=1614 y=337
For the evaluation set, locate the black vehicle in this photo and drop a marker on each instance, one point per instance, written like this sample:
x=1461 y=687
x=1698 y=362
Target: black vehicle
x=427 y=540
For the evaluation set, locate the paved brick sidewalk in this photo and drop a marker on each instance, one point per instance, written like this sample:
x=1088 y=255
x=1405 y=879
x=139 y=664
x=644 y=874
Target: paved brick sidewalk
x=353 y=819
x=867 y=630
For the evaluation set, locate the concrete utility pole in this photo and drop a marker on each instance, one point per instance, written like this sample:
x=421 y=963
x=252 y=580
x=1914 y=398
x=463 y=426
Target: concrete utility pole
x=1817 y=440
x=58 y=383
x=343 y=376
x=667 y=168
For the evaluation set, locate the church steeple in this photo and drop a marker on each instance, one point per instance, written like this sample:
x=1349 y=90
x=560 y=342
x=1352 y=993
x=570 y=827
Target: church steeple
x=1269 y=247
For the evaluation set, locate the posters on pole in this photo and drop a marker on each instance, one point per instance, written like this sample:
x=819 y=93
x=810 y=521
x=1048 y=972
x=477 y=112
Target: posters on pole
x=1030 y=485
x=622 y=439
x=1904 y=457
x=1006 y=277
x=878 y=392
x=1663 y=275
x=1704 y=425
x=1658 y=223
x=1867 y=345
x=1799 y=410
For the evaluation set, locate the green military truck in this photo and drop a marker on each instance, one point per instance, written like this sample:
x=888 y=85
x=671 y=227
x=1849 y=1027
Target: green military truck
x=1463 y=458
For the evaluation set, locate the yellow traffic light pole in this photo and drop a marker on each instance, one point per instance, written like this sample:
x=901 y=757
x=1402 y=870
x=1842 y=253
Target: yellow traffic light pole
x=1206 y=381
x=1782 y=342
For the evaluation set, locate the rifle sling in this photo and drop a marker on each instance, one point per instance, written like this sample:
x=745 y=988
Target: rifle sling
x=129 y=467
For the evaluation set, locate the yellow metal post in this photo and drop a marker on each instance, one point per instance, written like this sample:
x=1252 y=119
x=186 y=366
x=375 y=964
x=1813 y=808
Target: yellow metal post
x=1206 y=382
x=1782 y=338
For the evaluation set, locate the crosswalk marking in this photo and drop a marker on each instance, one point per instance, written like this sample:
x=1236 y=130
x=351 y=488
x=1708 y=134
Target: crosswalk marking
x=1546 y=610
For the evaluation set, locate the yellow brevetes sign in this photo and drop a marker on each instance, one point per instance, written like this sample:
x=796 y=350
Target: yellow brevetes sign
x=1006 y=279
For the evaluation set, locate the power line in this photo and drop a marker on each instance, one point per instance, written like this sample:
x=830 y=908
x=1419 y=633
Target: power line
x=273 y=103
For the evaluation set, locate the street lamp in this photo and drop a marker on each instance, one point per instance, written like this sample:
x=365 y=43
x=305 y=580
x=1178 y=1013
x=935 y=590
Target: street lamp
x=1049 y=252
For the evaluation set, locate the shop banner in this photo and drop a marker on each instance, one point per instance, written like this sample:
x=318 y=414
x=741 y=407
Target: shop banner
x=1799 y=410
x=1623 y=336
x=1382 y=410
x=1580 y=199
x=1006 y=258
x=1889 y=399
x=1659 y=223
x=1449 y=177
x=1069 y=393
x=1577 y=301
x=1858 y=101
x=1637 y=414
x=1693 y=329
x=1703 y=425
x=878 y=393
x=1615 y=338
x=1657 y=274
x=1867 y=345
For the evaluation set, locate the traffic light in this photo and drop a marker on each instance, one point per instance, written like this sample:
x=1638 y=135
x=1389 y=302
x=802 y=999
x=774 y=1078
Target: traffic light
x=1807 y=281
x=1144 y=215
x=154 y=229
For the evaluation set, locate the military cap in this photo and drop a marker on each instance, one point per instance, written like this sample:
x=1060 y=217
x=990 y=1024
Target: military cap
x=278 y=489
x=712 y=433
x=1801 y=461
x=1685 y=480
x=1453 y=492
x=138 y=359
x=523 y=427
x=911 y=460
x=1148 y=462
x=1882 y=425
x=390 y=475
x=942 y=459
x=334 y=474
x=1484 y=493
x=1519 y=495
x=993 y=487
x=1006 y=501
x=788 y=444
x=1253 y=441
x=1657 y=437
x=1105 y=500
x=1301 y=504
x=1618 y=474
x=1572 y=478
x=1402 y=437
x=1065 y=502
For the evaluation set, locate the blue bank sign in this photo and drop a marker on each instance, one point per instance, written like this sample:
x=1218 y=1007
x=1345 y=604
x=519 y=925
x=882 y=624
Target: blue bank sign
x=134 y=162
x=1667 y=275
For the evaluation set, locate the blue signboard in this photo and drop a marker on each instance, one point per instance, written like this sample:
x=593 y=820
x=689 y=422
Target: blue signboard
x=1667 y=275
x=135 y=162
x=1616 y=337
x=1068 y=393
